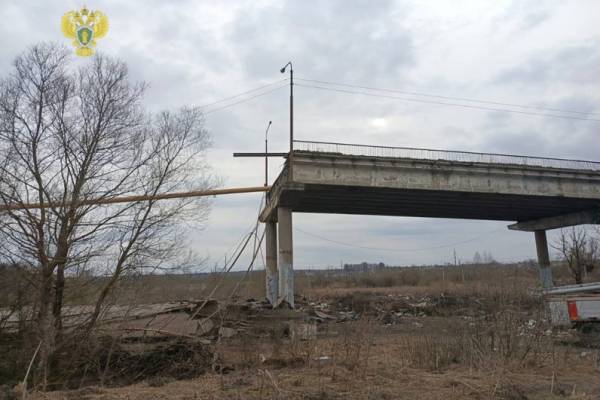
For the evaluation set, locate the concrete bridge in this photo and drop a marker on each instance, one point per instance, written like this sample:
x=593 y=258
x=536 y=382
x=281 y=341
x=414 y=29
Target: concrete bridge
x=537 y=194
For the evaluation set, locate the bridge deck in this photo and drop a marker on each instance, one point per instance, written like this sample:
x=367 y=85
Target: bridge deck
x=431 y=183
x=443 y=155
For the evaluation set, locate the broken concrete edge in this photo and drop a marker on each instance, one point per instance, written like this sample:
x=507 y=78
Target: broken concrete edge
x=591 y=217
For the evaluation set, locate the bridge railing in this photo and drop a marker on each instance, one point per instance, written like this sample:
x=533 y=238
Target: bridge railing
x=445 y=155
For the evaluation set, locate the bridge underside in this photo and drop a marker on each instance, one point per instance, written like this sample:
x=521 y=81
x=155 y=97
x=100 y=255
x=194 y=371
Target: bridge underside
x=536 y=197
x=338 y=199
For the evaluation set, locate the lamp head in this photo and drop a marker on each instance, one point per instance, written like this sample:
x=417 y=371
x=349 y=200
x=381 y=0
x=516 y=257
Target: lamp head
x=282 y=70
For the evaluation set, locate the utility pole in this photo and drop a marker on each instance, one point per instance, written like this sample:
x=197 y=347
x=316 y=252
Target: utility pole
x=267 y=156
x=290 y=156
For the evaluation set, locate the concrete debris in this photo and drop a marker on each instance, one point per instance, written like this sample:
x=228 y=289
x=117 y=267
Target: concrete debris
x=74 y=316
x=209 y=320
x=200 y=320
x=302 y=330
x=323 y=316
x=347 y=316
x=205 y=327
x=157 y=325
x=392 y=318
x=391 y=309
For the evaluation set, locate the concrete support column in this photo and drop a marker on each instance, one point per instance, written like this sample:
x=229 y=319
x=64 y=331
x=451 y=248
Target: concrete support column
x=285 y=262
x=541 y=244
x=271 y=278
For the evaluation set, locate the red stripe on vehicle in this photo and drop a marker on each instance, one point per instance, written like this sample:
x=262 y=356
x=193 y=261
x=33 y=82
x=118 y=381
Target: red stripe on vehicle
x=572 y=307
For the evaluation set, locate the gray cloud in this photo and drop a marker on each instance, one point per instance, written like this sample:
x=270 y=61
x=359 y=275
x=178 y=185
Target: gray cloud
x=196 y=52
x=575 y=65
x=524 y=16
x=341 y=39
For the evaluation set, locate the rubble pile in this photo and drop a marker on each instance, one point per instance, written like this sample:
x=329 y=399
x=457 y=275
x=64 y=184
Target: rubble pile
x=208 y=320
x=390 y=309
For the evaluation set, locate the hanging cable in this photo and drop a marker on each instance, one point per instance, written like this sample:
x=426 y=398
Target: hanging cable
x=395 y=249
x=250 y=265
x=448 y=104
x=243 y=93
x=228 y=267
x=470 y=100
x=243 y=100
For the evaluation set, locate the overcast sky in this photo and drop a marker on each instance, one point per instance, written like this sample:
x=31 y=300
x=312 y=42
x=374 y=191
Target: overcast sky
x=542 y=53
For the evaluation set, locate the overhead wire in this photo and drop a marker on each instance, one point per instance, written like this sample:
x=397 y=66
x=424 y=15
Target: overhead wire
x=471 y=100
x=551 y=112
x=243 y=100
x=469 y=106
x=335 y=87
x=396 y=249
x=242 y=93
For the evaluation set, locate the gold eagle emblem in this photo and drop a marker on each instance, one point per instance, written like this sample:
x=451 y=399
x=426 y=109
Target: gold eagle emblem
x=84 y=27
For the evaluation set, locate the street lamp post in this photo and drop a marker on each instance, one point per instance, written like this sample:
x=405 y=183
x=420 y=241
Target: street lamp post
x=267 y=156
x=282 y=70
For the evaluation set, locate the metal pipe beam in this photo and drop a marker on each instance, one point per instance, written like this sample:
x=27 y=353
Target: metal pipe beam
x=582 y=288
x=135 y=198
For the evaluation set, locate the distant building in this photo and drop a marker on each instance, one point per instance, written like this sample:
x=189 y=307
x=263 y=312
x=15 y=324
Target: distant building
x=363 y=267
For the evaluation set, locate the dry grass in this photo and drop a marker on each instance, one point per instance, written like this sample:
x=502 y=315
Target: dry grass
x=483 y=336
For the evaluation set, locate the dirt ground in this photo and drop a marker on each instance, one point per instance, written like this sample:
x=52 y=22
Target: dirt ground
x=386 y=343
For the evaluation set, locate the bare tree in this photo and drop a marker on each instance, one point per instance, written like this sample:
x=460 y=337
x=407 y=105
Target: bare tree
x=579 y=250
x=488 y=258
x=69 y=135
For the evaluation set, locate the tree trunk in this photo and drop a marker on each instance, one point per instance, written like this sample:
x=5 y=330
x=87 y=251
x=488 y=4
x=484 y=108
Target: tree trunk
x=59 y=289
x=578 y=276
x=45 y=326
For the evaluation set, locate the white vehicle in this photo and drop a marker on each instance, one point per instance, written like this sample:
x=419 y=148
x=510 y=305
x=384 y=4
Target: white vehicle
x=574 y=305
